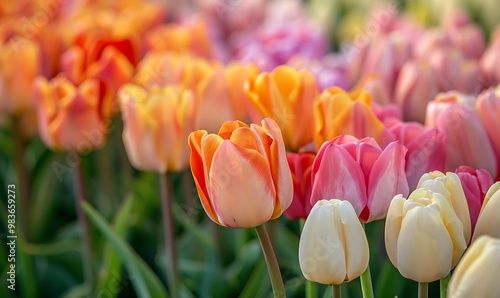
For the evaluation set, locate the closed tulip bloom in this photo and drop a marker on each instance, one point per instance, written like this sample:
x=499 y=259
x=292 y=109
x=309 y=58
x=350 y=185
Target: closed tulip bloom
x=337 y=112
x=490 y=64
x=417 y=84
x=477 y=273
x=488 y=106
x=241 y=173
x=157 y=124
x=488 y=220
x=301 y=168
x=424 y=238
x=360 y=172
x=333 y=248
x=475 y=184
x=450 y=187
x=286 y=95
x=453 y=113
x=69 y=116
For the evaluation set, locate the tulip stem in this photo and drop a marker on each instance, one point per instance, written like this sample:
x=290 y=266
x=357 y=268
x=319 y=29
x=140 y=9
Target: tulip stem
x=443 y=285
x=79 y=184
x=423 y=289
x=167 y=200
x=271 y=261
x=337 y=291
x=311 y=288
x=366 y=281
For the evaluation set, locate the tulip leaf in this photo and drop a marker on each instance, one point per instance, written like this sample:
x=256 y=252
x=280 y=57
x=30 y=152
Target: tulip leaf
x=80 y=291
x=204 y=240
x=387 y=285
x=258 y=284
x=145 y=282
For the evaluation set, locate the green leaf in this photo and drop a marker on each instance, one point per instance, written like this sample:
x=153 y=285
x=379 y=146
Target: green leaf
x=145 y=282
x=258 y=284
x=80 y=291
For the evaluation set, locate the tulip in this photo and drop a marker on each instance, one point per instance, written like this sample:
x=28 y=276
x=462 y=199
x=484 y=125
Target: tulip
x=360 y=172
x=450 y=187
x=333 y=247
x=475 y=184
x=241 y=173
x=424 y=238
x=426 y=148
x=337 y=112
x=329 y=71
x=286 y=96
x=301 y=167
x=452 y=113
x=488 y=106
x=488 y=220
x=156 y=124
x=377 y=89
x=417 y=84
x=477 y=273
x=69 y=116
x=489 y=64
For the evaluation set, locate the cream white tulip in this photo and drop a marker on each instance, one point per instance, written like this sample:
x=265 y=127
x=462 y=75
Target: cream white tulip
x=488 y=221
x=333 y=247
x=423 y=236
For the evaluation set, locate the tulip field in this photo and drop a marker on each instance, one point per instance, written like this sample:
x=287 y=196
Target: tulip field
x=263 y=148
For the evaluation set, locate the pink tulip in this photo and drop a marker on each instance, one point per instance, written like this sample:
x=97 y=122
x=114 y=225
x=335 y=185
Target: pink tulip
x=490 y=64
x=467 y=142
x=465 y=35
x=301 y=167
x=475 y=184
x=488 y=106
x=360 y=172
x=426 y=148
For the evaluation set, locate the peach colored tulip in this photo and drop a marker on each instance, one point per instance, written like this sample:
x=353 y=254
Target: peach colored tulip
x=286 y=96
x=450 y=187
x=360 y=172
x=333 y=247
x=69 y=116
x=423 y=236
x=426 y=148
x=301 y=167
x=467 y=142
x=157 y=123
x=337 y=112
x=488 y=220
x=488 y=106
x=475 y=184
x=477 y=273
x=241 y=173
x=417 y=84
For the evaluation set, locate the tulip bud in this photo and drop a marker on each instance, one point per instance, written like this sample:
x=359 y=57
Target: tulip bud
x=450 y=187
x=333 y=247
x=360 y=172
x=424 y=238
x=157 y=124
x=477 y=273
x=490 y=64
x=488 y=220
x=488 y=106
x=241 y=173
x=301 y=168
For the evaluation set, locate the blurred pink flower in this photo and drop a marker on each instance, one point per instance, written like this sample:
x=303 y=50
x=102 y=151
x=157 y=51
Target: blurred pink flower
x=301 y=167
x=360 y=172
x=329 y=71
x=488 y=106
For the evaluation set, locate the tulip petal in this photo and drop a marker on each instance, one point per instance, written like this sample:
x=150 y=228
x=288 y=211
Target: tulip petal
x=393 y=226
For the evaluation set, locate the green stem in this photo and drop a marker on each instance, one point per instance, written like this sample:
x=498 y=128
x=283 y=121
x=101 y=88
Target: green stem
x=167 y=200
x=79 y=185
x=443 y=285
x=423 y=289
x=271 y=262
x=311 y=287
x=366 y=280
x=337 y=292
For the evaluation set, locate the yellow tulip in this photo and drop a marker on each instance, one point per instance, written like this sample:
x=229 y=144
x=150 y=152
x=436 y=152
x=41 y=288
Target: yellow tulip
x=157 y=124
x=337 y=112
x=477 y=273
x=333 y=247
x=424 y=238
x=241 y=173
x=449 y=186
x=488 y=221
x=286 y=95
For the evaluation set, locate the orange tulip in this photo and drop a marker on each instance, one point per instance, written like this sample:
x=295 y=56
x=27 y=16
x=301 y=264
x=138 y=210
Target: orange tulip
x=286 y=95
x=157 y=124
x=69 y=116
x=241 y=173
x=337 y=112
